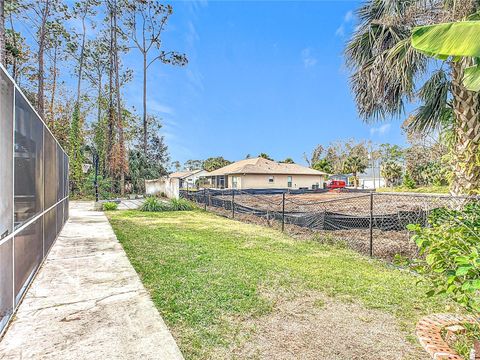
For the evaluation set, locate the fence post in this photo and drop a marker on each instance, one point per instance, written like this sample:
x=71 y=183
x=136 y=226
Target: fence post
x=283 y=211
x=371 y=224
x=233 y=203
x=205 y=198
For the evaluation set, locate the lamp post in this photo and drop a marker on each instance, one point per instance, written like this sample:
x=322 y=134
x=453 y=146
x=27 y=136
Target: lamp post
x=95 y=161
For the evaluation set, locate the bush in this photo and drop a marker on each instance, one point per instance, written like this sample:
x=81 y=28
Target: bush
x=181 y=205
x=109 y=206
x=153 y=204
x=451 y=245
x=408 y=182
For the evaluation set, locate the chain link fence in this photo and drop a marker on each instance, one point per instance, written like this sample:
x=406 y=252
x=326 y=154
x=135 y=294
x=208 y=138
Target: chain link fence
x=106 y=189
x=371 y=223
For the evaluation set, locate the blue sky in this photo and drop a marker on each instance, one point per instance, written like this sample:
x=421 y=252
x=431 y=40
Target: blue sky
x=262 y=77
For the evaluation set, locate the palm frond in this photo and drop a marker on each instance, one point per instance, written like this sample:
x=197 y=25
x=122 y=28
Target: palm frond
x=384 y=65
x=435 y=112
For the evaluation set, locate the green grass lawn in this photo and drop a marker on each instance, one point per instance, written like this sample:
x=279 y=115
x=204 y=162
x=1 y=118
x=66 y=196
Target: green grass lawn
x=420 y=189
x=204 y=271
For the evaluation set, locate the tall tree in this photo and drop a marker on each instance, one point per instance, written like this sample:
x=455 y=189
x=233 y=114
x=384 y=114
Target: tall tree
x=215 y=163
x=176 y=165
x=193 y=165
x=315 y=156
x=387 y=70
x=82 y=10
x=145 y=22
x=288 y=161
x=123 y=164
x=2 y=34
x=57 y=36
x=265 y=156
x=96 y=65
x=44 y=14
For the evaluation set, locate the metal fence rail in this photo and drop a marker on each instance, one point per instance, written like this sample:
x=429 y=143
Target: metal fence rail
x=372 y=223
x=33 y=194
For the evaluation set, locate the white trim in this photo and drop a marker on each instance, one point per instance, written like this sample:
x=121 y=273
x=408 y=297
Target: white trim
x=28 y=102
x=31 y=221
x=13 y=199
x=32 y=278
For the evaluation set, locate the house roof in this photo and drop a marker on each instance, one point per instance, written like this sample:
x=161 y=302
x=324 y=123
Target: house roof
x=263 y=166
x=184 y=174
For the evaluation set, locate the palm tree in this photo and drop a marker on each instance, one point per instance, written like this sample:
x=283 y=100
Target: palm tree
x=391 y=172
x=354 y=165
x=387 y=73
x=323 y=165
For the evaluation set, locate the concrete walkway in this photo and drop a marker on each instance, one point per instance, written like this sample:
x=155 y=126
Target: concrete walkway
x=87 y=302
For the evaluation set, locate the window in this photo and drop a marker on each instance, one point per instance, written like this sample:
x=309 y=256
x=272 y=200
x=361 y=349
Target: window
x=271 y=179
x=289 y=181
x=234 y=182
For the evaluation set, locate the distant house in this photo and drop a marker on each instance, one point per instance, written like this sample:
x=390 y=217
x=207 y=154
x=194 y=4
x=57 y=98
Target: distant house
x=370 y=179
x=189 y=178
x=260 y=173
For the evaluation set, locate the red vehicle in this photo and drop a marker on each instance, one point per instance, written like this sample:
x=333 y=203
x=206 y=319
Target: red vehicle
x=336 y=184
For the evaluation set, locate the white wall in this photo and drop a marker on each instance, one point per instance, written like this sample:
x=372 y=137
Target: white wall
x=171 y=187
x=371 y=183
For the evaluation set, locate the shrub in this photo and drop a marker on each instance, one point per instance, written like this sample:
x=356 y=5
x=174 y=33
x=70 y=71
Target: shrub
x=153 y=204
x=451 y=245
x=181 y=205
x=109 y=206
x=408 y=182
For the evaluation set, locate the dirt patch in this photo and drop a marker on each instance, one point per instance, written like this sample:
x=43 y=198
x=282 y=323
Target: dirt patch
x=357 y=204
x=312 y=326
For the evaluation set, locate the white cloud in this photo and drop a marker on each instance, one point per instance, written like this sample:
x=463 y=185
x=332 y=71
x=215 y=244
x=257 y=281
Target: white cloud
x=381 y=130
x=348 y=16
x=308 y=59
x=340 y=31
x=347 y=19
x=157 y=107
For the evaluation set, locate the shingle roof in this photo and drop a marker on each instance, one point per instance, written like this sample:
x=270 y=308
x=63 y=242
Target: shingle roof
x=183 y=174
x=263 y=166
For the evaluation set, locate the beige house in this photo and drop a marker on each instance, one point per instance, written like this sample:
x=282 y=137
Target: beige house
x=260 y=173
x=189 y=178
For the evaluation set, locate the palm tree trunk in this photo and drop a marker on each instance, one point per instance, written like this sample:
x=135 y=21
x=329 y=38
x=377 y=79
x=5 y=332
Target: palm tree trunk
x=466 y=152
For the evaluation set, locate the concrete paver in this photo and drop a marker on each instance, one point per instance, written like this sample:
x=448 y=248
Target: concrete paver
x=87 y=302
